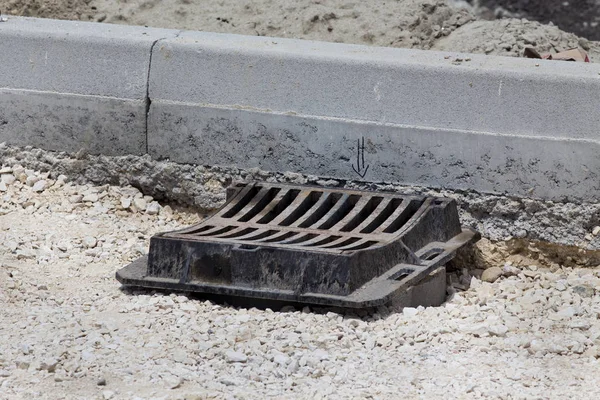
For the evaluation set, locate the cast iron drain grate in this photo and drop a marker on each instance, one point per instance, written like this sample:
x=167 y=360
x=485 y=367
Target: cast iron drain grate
x=303 y=244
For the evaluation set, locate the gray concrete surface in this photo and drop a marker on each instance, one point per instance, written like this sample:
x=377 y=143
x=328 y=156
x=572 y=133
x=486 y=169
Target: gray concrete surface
x=526 y=166
x=71 y=85
x=514 y=126
x=53 y=121
x=508 y=126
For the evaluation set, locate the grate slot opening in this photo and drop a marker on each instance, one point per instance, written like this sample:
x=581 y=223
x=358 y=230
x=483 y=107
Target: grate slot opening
x=261 y=235
x=362 y=246
x=302 y=238
x=363 y=214
x=339 y=214
x=285 y=202
x=200 y=230
x=243 y=232
x=346 y=242
x=327 y=205
x=218 y=231
x=383 y=216
x=306 y=205
x=327 y=240
x=432 y=254
x=404 y=217
x=403 y=273
x=243 y=202
x=260 y=205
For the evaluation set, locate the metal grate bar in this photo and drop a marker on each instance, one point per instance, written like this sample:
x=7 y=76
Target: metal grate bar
x=256 y=204
x=276 y=206
x=371 y=220
x=313 y=213
x=359 y=212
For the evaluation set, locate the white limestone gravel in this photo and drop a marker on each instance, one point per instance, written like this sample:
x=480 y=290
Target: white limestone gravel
x=69 y=331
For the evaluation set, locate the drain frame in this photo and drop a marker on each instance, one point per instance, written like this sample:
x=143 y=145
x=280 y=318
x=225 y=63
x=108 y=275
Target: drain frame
x=305 y=244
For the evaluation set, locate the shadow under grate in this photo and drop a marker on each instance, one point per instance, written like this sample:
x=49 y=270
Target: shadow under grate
x=312 y=245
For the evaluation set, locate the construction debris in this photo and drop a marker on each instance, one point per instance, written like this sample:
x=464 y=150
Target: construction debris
x=567 y=55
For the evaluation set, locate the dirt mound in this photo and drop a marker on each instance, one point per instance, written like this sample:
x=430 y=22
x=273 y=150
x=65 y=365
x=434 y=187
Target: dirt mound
x=58 y=9
x=403 y=23
x=508 y=37
x=422 y=24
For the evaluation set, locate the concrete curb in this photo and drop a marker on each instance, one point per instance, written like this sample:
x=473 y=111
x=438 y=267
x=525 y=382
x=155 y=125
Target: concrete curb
x=469 y=122
x=71 y=85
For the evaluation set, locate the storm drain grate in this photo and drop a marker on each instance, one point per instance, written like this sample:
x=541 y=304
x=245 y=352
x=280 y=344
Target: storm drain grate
x=305 y=244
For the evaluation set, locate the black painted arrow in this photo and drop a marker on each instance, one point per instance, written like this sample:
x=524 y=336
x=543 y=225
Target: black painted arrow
x=360 y=168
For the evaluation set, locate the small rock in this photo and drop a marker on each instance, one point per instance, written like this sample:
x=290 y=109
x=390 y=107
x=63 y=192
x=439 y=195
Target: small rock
x=125 y=202
x=153 y=208
x=12 y=246
x=26 y=253
x=537 y=346
x=561 y=285
x=596 y=231
x=4 y=373
x=140 y=204
x=179 y=355
x=49 y=365
x=584 y=290
x=89 y=242
x=3 y=187
x=498 y=330
x=31 y=180
x=581 y=324
x=101 y=382
x=235 y=357
x=410 y=311
x=8 y=179
x=590 y=352
x=566 y=313
x=90 y=198
x=491 y=274
x=529 y=38
x=173 y=382
x=227 y=381
x=108 y=394
x=40 y=186
x=509 y=270
x=167 y=211
x=281 y=359
x=76 y=198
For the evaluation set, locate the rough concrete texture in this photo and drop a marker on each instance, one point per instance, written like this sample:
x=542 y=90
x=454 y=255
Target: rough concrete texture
x=513 y=165
x=496 y=217
x=103 y=125
x=67 y=85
